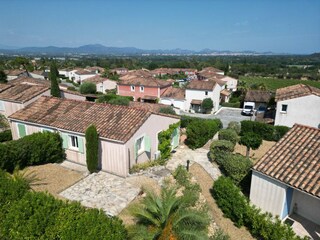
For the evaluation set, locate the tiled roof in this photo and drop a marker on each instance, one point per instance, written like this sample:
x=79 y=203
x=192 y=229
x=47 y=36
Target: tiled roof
x=295 y=91
x=22 y=92
x=295 y=160
x=145 y=81
x=4 y=86
x=112 y=122
x=175 y=93
x=84 y=72
x=152 y=107
x=209 y=72
x=257 y=96
x=135 y=74
x=14 y=72
x=225 y=92
x=201 y=85
x=218 y=78
x=30 y=81
x=96 y=79
x=196 y=102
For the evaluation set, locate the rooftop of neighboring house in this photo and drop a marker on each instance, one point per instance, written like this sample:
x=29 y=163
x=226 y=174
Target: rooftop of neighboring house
x=113 y=122
x=14 y=72
x=209 y=72
x=295 y=160
x=38 y=72
x=225 y=92
x=136 y=73
x=144 y=81
x=295 y=91
x=170 y=71
x=220 y=79
x=201 y=85
x=95 y=68
x=258 y=96
x=119 y=69
x=85 y=72
x=4 y=86
x=96 y=79
x=30 y=81
x=22 y=93
x=175 y=93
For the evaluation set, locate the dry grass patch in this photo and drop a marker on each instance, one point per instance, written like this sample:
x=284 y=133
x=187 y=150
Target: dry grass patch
x=255 y=154
x=52 y=178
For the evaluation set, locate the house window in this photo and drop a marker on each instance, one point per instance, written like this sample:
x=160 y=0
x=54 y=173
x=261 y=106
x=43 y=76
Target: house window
x=140 y=145
x=141 y=88
x=206 y=93
x=132 y=88
x=74 y=141
x=284 y=108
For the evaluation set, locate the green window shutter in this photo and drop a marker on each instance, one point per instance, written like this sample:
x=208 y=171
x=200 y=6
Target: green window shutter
x=80 y=144
x=147 y=144
x=22 y=130
x=176 y=138
x=65 y=139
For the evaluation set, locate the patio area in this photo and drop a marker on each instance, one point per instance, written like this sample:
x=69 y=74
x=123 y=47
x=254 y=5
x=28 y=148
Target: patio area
x=303 y=227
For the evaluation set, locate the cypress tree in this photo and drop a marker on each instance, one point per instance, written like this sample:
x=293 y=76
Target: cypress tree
x=92 y=148
x=55 y=91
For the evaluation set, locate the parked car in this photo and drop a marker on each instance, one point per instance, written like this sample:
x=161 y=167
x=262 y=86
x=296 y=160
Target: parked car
x=261 y=110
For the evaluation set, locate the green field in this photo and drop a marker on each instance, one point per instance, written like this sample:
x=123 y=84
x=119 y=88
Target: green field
x=274 y=83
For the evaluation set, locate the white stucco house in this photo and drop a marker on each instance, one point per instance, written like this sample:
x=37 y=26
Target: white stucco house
x=286 y=180
x=198 y=90
x=298 y=104
x=175 y=97
x=127 y=135
x=102 y=84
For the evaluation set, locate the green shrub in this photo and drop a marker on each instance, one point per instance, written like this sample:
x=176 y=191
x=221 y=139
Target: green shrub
x=235 y=126
x=165 y=138
x=143 y=166
x=219 y=150
x=218 y=122
x=207 y=104
x=92 y=148
x=112 y=98
x=279 y=132
x=230 y=200
x=34 y=149
x=167 y=110
x=235 y=206
x=72 y=88
x=186 y=120
x=229 y=135
x=236 y=167
x=231 y=104
x=251 y=140
x=88 y=88
x=5 y=136
x=220 y=235
x=120 y=101
x=200 y=131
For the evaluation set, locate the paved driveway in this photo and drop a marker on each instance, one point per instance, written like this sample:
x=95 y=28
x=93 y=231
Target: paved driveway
x=225 y=114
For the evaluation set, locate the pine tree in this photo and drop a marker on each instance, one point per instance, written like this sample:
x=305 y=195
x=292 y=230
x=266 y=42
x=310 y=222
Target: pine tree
x=55 y=91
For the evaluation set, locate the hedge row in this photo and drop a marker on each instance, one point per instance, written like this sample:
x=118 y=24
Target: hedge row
x=186 y=120
x=236 y=207
x=34 y=149
x=199 y=132
x=35 y=215
x=5 y=136
x=266 y=131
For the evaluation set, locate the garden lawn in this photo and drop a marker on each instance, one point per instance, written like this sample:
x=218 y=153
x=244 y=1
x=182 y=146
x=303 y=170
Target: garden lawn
x=255 y=154
x=53 y=178
x=274 y=83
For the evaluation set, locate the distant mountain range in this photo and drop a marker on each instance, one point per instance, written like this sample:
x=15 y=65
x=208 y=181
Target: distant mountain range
x=98 y=49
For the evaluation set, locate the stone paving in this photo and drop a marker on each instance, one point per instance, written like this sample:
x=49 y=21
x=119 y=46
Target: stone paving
x=200 y=156
x=102 y=190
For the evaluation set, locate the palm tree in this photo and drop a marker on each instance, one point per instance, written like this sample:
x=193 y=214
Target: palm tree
x=166 y=216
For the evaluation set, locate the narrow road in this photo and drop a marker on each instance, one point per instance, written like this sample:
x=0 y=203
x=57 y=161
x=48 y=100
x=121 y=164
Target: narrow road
x=206 y=182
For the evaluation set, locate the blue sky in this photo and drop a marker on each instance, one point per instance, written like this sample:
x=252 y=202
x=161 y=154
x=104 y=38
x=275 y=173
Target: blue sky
x=291 y=26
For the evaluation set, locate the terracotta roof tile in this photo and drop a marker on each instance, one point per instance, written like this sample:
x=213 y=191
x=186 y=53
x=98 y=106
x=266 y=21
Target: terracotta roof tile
x=30 y=81
x=295 y=91
x=201 y=85
x=295 y=160
x=257 y=96
x=175 y=93
x=22 y=92
x=96 y=79
x=113 y=122
x=225 y=92
x=4 y=86
x=145 y=81
x=14 y=72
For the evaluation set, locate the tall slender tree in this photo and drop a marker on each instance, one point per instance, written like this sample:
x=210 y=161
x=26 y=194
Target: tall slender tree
x=53 y=76
x=92 y=148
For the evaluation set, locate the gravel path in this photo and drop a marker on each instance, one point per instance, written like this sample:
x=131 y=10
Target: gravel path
x=205 y=182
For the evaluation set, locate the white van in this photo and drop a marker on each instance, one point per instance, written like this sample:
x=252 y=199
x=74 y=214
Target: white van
x=248 y=108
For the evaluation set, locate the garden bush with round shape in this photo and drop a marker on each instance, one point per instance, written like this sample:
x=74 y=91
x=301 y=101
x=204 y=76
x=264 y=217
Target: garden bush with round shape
x=220 y=149
x=236 y=167
x=88 y=88
x=229 y=135
x=235 y=126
